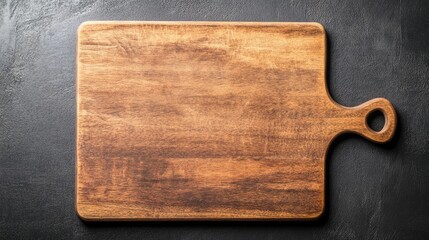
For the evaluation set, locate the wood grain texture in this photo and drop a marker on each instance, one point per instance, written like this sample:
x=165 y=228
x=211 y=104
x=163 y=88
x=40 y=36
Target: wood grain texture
x=207 y=120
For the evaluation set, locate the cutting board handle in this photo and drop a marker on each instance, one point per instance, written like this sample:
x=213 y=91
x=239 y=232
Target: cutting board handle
x=361 y=113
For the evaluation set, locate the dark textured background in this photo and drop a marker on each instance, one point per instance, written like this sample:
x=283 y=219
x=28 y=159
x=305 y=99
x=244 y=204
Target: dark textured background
x=376 y=49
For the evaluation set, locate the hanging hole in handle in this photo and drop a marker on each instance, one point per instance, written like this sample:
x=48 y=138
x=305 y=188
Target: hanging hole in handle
x=376 y=120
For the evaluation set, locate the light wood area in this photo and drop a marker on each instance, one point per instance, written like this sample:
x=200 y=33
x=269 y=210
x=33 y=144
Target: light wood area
x=207 y=121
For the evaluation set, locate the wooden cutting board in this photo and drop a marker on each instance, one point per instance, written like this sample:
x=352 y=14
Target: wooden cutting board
x=207 y=120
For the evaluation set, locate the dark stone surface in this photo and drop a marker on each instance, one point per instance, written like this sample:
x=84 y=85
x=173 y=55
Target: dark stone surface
x=376 y=49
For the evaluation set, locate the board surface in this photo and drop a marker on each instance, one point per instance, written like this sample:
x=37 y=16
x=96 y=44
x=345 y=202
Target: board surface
x=207 y=120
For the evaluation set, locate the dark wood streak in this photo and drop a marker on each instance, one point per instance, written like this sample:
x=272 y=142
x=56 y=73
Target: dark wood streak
x=205 y=120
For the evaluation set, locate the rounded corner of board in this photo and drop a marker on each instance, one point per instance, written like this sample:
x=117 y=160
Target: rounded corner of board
x=319 y=26
x=82 y=214
x=82 y=27
x=318 y=215
x=88 y=25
